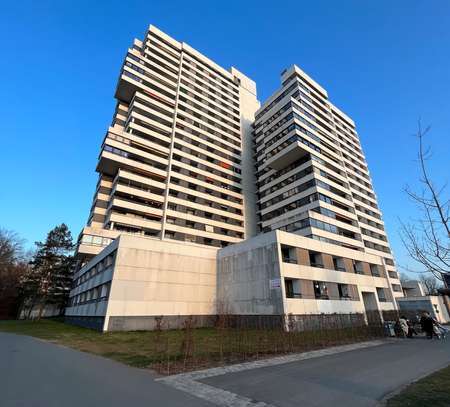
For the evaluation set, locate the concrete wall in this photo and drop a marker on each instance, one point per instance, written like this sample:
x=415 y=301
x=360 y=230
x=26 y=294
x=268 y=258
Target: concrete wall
x=96 y=308
x=248 y=278
x=251 y=275
x=154 y=277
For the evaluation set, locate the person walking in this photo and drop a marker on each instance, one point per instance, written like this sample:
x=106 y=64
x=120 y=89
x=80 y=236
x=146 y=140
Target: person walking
x=427 y=324
x=411 y=329
x=438 y=330
x=404 y=329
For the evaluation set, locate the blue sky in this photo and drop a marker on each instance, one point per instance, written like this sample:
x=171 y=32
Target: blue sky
x=385 y=63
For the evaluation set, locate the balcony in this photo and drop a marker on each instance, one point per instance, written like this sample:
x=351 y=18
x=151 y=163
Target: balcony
x=111 y=161
x=291 y=153
x=127 y=86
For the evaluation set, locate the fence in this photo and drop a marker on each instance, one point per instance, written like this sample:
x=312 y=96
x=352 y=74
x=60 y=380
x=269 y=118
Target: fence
x=240 y=338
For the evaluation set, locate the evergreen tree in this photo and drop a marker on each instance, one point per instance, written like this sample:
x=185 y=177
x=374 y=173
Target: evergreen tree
x=50 y=276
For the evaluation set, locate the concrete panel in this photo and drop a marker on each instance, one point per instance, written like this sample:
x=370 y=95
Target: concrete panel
x=303 y=256
x=249 y=279
x=328 y=261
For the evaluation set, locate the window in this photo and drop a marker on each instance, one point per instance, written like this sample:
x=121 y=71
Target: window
x=375 y=270
x=97 y=240
x=104 y=290
x=292 y=287
x=315 y=259
x=109 y=260
x=389 y=261
x=321 y=290
x=338 y=263
x=393 y=274
x=381 y=294
x=288 y=254
x=190 y=238
x=344 y=292
x=358 y=267
x=396 y=287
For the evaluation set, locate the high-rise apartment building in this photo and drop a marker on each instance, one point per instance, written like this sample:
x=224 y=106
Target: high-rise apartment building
x=192 y=169
x=313 y=178
x=171 y=164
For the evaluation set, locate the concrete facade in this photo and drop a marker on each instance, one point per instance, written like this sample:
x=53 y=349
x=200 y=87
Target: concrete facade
x=207 y=202
x=270 y=274
x=313 y=178
x=136 y=279
x=174 y=160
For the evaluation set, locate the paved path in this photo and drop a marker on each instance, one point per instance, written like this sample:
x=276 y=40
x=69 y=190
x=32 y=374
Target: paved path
x=356 y=378
x=39 y=374
x=35 y=373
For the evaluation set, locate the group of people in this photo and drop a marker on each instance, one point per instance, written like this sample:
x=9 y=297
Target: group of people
x=428 y=324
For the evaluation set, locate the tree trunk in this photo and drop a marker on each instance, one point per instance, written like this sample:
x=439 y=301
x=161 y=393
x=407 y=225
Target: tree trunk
x=33 y=303
x=41 y=308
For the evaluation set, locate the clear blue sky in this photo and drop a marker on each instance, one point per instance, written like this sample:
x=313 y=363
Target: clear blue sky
x=385 y=63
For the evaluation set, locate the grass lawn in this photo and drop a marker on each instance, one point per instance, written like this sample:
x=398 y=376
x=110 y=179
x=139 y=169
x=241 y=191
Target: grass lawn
x=433 y=390
x=173 y=351
x=132 y=348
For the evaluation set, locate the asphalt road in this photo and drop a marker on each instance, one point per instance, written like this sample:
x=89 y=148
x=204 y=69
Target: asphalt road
x=356 y=378
x=35 y=373
x=39 y=374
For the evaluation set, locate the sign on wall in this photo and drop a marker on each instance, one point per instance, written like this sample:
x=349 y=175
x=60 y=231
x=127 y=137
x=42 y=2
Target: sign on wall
x=275 y=283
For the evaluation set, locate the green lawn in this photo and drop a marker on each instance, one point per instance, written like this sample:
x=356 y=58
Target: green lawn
x=138 y=349
x=433 y=390
x=172 y=351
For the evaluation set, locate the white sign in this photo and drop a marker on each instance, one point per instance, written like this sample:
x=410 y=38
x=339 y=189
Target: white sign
x=275 y=283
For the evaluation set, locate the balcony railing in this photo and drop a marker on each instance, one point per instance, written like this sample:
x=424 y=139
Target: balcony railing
x=314 y=264
x=293 y=295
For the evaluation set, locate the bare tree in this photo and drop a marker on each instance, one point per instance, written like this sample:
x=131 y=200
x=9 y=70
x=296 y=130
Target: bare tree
x=427 y=239
x=430 y=283
x=13 y=266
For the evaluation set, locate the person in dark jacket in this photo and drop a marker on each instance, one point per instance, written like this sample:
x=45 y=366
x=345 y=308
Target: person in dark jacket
x=427 y=324
x=411 y=330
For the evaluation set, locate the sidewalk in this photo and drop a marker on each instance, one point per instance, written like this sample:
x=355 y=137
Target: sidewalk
x=37 y=373
x=357 y=378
